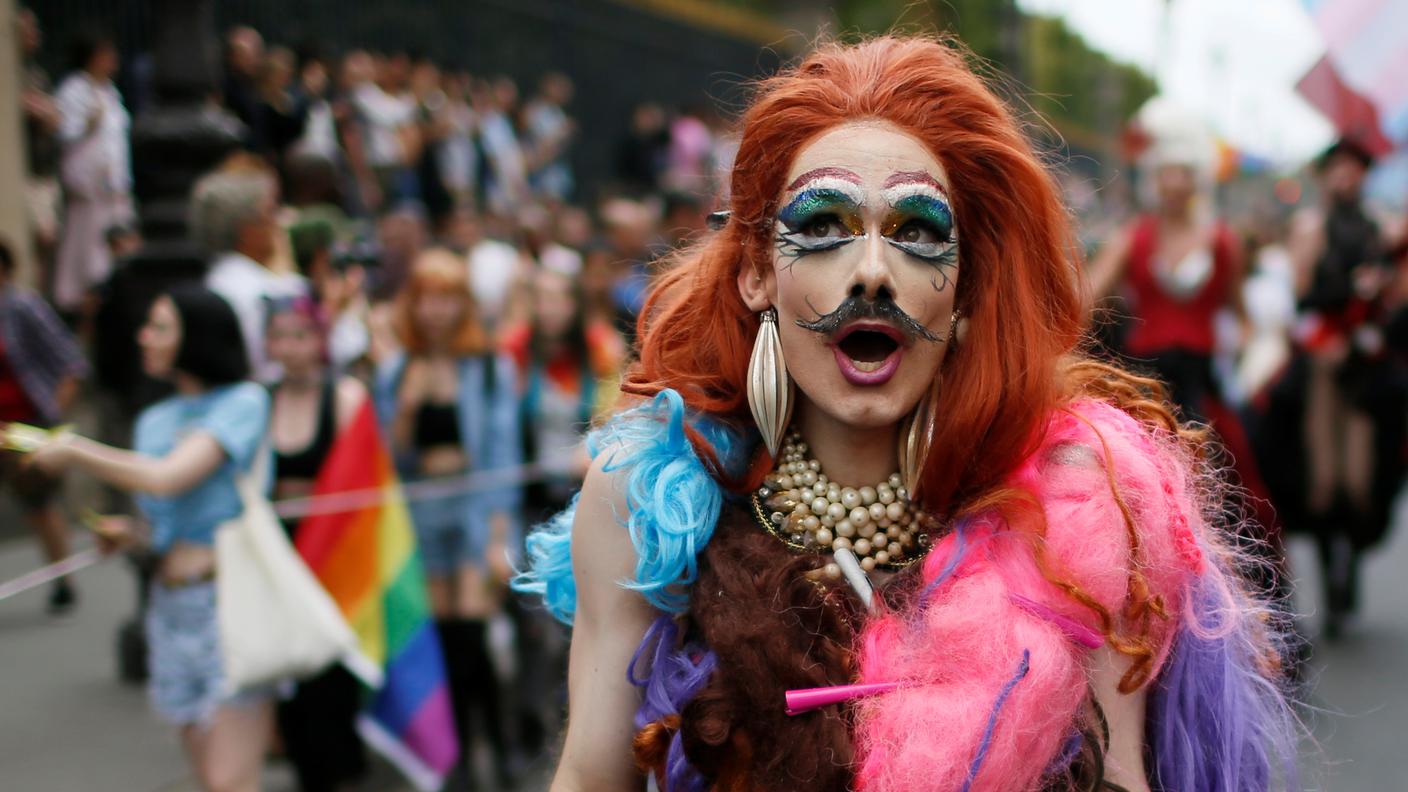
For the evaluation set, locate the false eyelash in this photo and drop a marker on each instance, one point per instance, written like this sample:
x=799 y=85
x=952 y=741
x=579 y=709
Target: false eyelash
x=790 y=246
x=947 y=256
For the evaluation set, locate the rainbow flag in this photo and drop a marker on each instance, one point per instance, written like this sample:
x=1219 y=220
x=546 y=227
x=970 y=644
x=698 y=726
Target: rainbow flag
x=366 y=557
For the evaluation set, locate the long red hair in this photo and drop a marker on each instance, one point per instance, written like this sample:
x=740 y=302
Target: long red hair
x=1019 y=281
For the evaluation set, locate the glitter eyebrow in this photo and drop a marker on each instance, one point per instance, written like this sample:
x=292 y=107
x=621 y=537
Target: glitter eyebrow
x=822 y=173
x=912 y=177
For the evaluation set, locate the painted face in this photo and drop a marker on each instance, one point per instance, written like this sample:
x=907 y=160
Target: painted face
x=865 y=271
x=294 y=342
x=160 y=339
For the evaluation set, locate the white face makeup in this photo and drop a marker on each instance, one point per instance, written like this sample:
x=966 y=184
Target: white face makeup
x=865 y=271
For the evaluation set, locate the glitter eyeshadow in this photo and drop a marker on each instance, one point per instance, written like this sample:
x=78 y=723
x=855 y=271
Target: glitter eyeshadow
x=812 y=202
x=924 y=207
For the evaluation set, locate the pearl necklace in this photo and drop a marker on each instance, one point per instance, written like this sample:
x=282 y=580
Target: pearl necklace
x=810 y=513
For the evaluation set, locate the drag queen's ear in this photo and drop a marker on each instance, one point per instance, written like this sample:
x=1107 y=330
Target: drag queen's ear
x=758 y=291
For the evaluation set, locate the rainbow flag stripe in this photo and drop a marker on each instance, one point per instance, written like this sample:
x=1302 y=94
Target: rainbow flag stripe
x=366 y=558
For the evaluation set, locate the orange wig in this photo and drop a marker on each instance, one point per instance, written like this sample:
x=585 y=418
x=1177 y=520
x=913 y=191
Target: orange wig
x=1019 y=287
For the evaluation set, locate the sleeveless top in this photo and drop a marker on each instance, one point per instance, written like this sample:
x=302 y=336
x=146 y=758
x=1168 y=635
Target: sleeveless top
x=305 y=463
x=1165 y=320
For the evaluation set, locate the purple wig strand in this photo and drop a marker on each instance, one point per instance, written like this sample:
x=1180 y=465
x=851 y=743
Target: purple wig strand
x=677 y=674
x=1216 y=722
x=1022 y=669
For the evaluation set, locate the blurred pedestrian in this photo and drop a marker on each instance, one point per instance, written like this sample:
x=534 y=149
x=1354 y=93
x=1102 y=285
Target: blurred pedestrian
x=450 y=402
x=188 y=451
x=310 y=406
x=280 y=115
x=392 y=134
x=233 y=217
x=244 y=52
x=1355 y=392
x=41 y=125
x=1181 y=266
x=40 y=371
x=95 y=170
x=548 y=133
x=495 y=105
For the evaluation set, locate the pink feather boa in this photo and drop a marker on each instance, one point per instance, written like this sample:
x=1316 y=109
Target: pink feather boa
x=965 y=707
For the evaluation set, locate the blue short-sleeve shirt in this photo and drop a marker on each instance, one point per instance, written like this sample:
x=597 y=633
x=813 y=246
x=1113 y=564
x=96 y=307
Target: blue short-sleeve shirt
x=237 y=416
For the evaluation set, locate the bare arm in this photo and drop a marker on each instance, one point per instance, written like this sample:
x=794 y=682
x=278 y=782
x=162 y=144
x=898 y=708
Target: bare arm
x=610 y=623
x=347 y=399
x=192 y=461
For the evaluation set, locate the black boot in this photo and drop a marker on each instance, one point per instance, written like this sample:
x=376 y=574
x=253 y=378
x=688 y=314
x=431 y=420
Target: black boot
x=455 y=645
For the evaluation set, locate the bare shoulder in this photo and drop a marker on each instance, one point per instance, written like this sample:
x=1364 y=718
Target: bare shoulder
x=599 y=526
x=348 y=396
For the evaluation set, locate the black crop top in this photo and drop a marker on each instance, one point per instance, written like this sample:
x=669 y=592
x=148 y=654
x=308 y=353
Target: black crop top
x=306 y=463
x=437 y=425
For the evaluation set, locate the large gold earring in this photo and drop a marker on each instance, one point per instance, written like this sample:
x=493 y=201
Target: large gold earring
x=769 y=387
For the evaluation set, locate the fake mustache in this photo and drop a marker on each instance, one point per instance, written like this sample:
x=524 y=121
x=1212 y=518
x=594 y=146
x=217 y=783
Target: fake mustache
x=853 y=308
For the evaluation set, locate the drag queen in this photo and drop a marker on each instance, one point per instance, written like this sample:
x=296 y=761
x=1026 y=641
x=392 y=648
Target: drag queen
x=873 y=522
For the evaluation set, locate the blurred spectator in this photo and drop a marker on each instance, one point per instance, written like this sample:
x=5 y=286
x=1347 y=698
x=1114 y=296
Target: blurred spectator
x=40 y=371
x=492 y=266
x=309 y=406
x=459 y=159
x=388 y=116
x=95 y=170
x=507 y=184
x=641 y=159
x=686 y=217
x=1181 y=266
x=41 y=126
x=548 y=131
x=431 y=108
x=1355 y=391
x=450 y=406
x=569 y=363
x=279 y=116
x=403 y=233
x=312 y=92
x=189 y=449
x=622 y=269
x=691 y=146
x=244 y=53
x=233 y=217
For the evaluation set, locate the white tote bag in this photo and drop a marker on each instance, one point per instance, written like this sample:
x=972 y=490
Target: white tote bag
x=276 y=621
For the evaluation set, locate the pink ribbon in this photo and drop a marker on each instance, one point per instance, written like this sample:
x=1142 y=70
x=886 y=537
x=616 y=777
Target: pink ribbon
x=1081 y=634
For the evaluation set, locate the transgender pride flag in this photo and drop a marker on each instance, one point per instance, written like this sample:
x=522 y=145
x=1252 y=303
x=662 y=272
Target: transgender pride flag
x=365 y=555
x=1361 y=84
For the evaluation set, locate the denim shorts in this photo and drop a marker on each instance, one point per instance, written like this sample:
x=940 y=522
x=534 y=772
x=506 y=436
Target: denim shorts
x=448 y=534
x=187 y=681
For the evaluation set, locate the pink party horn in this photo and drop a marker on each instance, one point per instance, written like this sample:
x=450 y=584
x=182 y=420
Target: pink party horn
x=808 y=699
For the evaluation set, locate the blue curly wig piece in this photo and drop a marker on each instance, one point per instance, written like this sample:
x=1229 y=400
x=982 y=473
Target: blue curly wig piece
x=673 y=503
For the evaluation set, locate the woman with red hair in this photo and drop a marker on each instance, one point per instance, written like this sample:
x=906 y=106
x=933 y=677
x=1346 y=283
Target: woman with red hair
x=874 y=522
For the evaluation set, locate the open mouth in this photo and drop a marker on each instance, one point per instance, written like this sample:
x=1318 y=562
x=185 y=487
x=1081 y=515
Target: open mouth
x=868 y=349
x=868 y=354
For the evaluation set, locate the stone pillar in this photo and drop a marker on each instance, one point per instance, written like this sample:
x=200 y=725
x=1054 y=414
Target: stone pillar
x=14 y=170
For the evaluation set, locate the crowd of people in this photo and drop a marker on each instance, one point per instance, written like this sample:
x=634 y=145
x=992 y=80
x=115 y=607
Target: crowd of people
x=398 y=231
x=389 y=230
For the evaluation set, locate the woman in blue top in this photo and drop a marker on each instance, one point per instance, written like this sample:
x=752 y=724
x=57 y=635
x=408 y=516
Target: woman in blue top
x=189 y=448
x=451 y=407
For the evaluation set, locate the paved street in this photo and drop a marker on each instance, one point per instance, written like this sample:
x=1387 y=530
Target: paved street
x=67 y=725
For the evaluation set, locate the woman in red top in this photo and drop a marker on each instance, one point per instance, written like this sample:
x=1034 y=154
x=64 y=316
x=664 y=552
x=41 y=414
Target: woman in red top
x=1181 y=266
